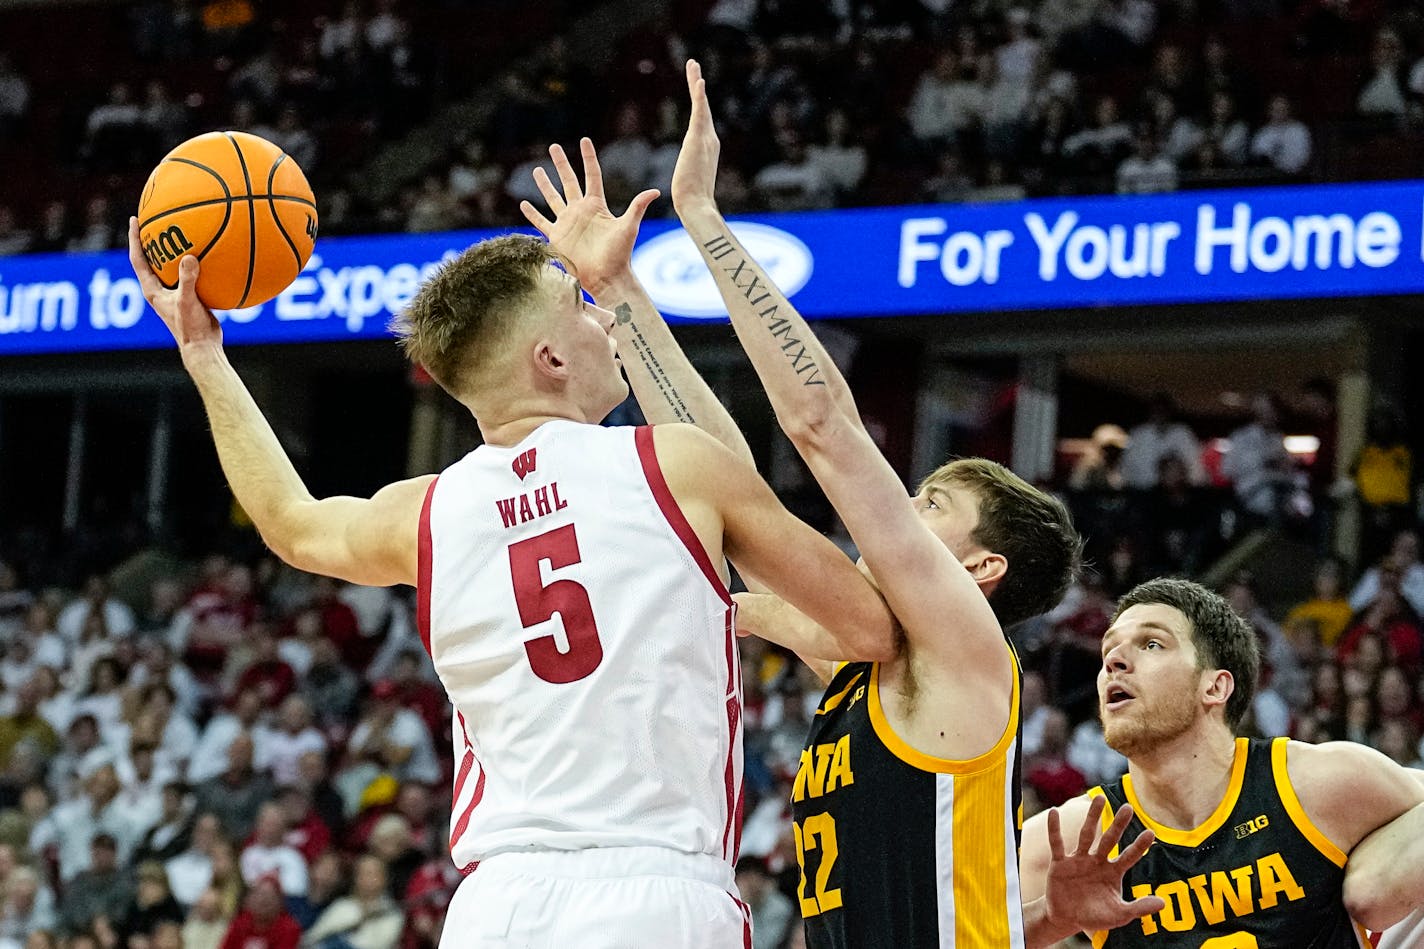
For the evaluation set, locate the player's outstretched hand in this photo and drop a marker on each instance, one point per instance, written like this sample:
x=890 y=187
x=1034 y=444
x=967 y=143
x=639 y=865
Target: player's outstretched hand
x=694 y=179
x=597 y=244
x=191 y=323
x=1084 y=887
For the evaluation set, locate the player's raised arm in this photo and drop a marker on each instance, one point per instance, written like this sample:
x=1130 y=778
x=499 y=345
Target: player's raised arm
x=761 y=536
x=599 y=247
x=921 y=578
x=372 y=542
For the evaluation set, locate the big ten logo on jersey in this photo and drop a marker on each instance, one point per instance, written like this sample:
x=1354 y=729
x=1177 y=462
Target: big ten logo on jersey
x=1206 y=899
x=1251 y=826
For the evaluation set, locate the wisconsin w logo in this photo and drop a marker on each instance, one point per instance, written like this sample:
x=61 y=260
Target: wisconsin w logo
x=524 y=464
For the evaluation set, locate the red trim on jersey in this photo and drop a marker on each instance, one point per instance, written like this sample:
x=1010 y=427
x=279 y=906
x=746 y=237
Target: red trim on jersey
x=467 y=764
x=732 y=831
x=746 y=923
x=458 y=830
x=648 y=455
x=425 y=554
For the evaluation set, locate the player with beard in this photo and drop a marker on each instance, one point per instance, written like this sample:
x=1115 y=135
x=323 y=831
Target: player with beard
x=1251 y=834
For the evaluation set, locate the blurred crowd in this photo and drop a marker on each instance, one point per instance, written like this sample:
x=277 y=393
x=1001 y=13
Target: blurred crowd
x=820 y=104
x=238 y=758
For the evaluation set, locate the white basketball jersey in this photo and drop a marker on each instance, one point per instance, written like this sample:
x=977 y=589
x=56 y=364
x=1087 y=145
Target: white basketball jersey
x=588 y=646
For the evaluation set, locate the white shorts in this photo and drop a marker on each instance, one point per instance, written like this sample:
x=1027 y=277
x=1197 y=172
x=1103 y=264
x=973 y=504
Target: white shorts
x=602 y=898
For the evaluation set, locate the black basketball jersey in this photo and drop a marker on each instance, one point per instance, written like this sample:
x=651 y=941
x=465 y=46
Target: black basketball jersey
x=899 y=849
x=1256 y=875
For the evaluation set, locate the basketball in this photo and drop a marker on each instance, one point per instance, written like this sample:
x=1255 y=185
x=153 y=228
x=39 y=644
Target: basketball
x=241 y=206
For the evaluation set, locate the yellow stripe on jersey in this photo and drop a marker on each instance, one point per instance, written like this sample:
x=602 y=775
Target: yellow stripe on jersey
x=1292 y=804
x=981 y=911
x=831 y=703
x=1195 y=836
x=918 y=759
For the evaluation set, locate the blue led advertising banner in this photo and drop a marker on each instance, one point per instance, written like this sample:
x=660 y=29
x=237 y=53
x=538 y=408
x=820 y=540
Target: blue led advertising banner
x=1196 y=247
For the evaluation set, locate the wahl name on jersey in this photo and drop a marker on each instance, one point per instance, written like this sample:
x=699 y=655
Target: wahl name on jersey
x=531 y=505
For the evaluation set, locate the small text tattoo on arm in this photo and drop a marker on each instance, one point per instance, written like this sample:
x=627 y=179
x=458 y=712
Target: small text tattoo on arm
x=623 y=313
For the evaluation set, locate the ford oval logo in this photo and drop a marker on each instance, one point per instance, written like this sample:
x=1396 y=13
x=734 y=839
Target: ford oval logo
x=675 y=276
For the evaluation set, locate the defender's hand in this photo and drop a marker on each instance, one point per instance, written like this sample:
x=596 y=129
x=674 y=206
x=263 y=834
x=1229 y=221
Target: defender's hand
x=192 y=324
x=694 y=179
x=597 y=244
x=1085 y=887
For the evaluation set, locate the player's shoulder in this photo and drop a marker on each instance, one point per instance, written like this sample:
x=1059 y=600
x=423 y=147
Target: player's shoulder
x=687 y=454
x=1331 y=765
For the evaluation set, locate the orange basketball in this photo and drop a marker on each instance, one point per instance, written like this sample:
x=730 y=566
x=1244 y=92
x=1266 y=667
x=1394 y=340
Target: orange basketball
x=241 y=206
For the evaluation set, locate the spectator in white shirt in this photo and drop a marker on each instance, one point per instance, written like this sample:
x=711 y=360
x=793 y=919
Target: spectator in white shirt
x=793 y=182
x=74 y=824
x=143 y=782
x=210 y=756
x=1404 y=558
x=1257 y=464
x=1146 y=170
x=269 y=853
x=1162 y=436
x=367 y=919
x=1284 y=141
x=1101 y=146
x=1035 y=710
x=120 y=111
x=13 y=238
x=842 y=162
x=1227 y=130
x=14 y=95
x=1385 y=93
x=625 y=159
x=192 y=870
x=293 y=737
x=394 y=738
x=946 y=102
x=118 y=618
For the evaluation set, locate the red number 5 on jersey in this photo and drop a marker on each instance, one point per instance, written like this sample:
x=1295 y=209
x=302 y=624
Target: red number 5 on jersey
x=538 y=602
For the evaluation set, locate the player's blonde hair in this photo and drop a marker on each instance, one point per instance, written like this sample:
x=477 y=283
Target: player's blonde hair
x=1030 y=528
x=456 y=322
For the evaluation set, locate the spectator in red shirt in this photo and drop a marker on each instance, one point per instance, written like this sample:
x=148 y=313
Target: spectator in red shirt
x=339 y=622
x=1048 y=772
x=1389 y=619
x=1394 y=698
x=266 y=672
x=418 y=693
x=306 y=832
x=264 y=922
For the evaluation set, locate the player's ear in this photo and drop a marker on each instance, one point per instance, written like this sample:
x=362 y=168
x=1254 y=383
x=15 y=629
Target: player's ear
x=1219 y=687
x=549 y=363
x=987 y=569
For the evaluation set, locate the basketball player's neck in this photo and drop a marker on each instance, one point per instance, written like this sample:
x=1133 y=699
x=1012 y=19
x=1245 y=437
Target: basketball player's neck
x=1181 y=782
x=511 y=424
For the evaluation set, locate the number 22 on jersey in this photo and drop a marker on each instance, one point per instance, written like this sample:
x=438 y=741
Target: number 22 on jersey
x=539 y=601
x=817 y=832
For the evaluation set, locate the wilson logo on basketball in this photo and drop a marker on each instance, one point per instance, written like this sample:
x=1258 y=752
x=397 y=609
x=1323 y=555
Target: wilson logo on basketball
x=166 y=247
x=311 y=227
x=524 y=464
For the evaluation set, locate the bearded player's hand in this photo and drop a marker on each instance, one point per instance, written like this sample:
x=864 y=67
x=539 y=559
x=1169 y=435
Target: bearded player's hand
x=192 y=324
x=1085 y=887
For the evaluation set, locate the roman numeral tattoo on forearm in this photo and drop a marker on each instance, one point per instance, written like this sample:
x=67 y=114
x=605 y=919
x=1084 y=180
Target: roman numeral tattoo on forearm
x=623 y=313
x=754 y=284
